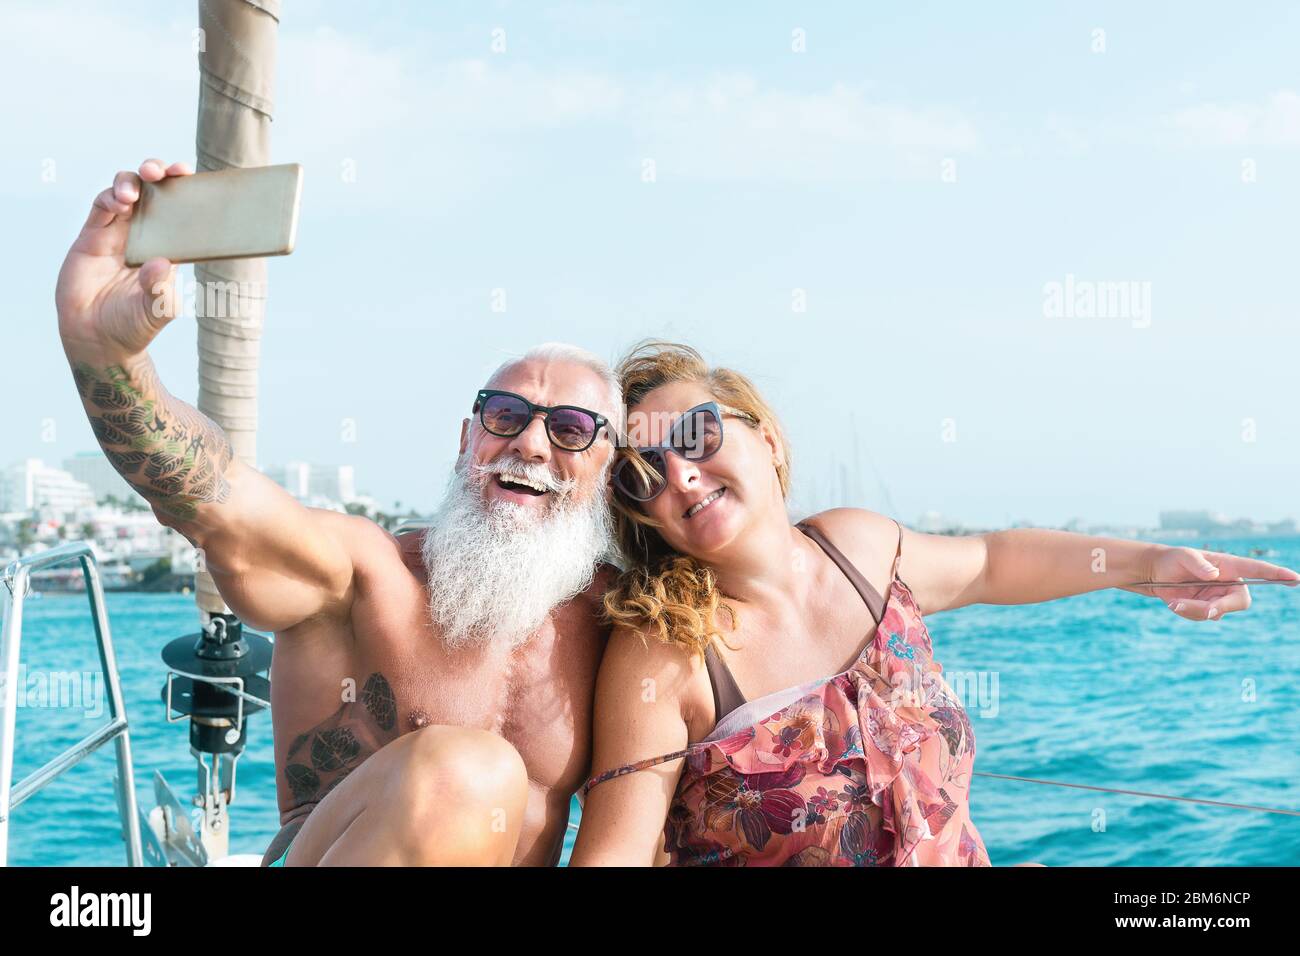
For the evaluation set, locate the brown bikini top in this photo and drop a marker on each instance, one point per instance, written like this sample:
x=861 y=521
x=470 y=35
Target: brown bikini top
x=726 y=693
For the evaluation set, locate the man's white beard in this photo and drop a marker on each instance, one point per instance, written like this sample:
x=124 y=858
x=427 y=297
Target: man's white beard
x=497 y=570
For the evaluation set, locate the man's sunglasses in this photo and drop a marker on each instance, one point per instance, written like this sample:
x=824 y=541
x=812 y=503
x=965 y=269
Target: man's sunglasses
x=696 y=436
x=506 y=414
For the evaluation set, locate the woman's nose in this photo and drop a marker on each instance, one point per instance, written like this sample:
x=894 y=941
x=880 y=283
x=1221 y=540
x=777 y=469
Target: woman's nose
x=682 y=474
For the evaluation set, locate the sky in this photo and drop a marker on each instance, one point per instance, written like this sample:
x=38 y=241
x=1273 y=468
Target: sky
x=874 y=211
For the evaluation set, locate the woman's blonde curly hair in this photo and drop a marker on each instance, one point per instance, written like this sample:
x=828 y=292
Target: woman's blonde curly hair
x=665 y=593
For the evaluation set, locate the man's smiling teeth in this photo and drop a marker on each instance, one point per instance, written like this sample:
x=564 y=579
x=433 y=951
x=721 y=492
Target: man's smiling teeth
x=525 y=482
x=704 y=503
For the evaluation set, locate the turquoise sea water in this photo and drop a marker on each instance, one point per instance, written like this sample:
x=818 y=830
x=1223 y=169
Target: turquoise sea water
x=1107 y=689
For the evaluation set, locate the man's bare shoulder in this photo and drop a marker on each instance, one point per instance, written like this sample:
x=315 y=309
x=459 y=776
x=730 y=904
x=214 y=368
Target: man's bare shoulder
x=601 y=581
x=410 y=546
x=590 y=604
x=369 y=550
x=584 y=615
x=370 y=546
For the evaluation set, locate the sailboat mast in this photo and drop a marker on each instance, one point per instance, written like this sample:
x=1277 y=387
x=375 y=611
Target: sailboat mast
x=237 y=52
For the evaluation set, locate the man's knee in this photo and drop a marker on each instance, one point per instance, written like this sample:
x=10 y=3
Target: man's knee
x=463 y=762
x=460 y=786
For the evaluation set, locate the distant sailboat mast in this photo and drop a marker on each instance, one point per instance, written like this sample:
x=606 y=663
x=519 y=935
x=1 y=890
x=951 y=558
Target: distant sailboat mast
x=852 y=493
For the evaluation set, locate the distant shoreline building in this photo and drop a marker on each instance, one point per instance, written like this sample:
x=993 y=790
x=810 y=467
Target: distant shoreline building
x=316 y=485
x=1201 y=523
x=32 y=485
x=94 y=469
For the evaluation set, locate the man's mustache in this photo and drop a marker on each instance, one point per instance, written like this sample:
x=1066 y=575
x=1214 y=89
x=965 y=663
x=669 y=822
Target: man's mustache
x=535 y=472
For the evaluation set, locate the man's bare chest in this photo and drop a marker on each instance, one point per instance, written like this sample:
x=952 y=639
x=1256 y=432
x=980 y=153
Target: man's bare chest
x=340 y=697
x=539 y=698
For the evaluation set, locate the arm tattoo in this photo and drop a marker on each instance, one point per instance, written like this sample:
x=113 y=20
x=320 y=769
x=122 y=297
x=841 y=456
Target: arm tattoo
x=172 y=454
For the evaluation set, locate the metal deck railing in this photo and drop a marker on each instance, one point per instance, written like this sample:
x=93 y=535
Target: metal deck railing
x=16 y=579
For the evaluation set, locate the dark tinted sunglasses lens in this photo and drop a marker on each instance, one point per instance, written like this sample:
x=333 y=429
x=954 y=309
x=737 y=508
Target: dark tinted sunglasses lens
x=571 y=428
x=504 y=415
x=698 y=436
x=641 y=478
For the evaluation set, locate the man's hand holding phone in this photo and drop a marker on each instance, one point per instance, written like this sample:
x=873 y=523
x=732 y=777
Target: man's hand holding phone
x=275 y=561
x=109 y=311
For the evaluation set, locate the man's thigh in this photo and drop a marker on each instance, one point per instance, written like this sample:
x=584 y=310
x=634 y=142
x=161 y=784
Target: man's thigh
x=398 y=782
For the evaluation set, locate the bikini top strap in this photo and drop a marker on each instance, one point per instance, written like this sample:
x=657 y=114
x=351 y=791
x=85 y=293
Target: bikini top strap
x=727 y=695
x=870 y=596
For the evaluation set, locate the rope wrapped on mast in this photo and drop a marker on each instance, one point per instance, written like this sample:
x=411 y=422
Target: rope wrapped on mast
x=237 y=52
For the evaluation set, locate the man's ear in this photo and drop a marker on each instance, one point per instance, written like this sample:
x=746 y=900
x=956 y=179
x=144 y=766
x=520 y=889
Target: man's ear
x=464 y=436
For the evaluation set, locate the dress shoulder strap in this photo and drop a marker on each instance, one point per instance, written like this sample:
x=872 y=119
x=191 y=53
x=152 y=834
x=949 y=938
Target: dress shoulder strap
x=870 y=596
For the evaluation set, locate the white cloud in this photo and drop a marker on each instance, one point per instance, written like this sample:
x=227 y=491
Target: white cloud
x=1067 y=132
x=500 y=96
x=337 y=88
x=104 y=88
x=728 y=127
x=575 y=18
x=1272 y=121
x=86 y=87
x=1275 y=122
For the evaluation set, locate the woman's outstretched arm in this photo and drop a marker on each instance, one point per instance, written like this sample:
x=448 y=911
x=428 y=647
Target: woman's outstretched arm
x=1030 y=565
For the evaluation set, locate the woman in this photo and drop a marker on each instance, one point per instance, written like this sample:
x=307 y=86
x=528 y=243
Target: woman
x=718 y=734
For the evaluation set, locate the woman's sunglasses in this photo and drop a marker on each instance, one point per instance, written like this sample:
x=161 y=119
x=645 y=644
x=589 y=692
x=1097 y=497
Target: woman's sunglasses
x=695 y=436
x=506 y=414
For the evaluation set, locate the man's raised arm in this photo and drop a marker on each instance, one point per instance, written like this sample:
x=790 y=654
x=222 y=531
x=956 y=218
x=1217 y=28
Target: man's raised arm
x=275 y=562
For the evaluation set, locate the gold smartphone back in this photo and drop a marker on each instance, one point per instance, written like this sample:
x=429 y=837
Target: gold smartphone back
x=227 y=214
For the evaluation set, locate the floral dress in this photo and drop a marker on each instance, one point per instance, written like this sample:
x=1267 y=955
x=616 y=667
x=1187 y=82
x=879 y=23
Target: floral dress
x=870 y=767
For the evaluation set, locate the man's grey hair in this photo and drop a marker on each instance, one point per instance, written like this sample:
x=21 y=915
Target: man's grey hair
x=562 y=352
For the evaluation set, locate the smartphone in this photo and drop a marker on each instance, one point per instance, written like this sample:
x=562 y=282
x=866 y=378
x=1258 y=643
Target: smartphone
x=226 y=214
